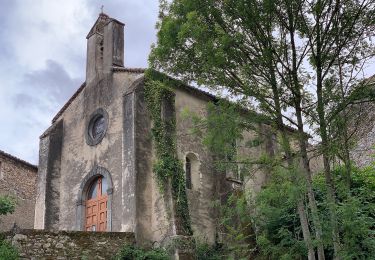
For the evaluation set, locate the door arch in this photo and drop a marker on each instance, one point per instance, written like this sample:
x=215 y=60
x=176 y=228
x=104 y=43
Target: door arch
x=96 y=205
x=86 y=196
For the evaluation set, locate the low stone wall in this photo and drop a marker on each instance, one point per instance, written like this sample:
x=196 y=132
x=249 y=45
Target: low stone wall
x=40 y=244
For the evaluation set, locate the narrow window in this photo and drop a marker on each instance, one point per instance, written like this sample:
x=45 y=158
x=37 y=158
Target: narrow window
x=188 y=173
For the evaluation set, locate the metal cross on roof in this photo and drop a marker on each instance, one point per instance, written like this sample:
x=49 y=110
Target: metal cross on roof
x=101 y=8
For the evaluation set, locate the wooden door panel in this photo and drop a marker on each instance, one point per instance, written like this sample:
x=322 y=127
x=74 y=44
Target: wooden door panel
x=96 y=212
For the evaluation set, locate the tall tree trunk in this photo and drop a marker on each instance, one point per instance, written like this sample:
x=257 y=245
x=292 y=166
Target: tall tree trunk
x=327 y=168
x=302 y=138
x=347 y=161
x=325 y=143
x=310 y=192
x=288 y=153
x=346 y=154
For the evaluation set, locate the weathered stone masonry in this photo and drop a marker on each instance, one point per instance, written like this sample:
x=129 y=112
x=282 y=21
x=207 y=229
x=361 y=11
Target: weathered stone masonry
x=18 y=179
x=43 y=245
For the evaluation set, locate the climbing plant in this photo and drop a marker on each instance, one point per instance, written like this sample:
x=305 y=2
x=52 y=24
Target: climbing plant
x=159 y=91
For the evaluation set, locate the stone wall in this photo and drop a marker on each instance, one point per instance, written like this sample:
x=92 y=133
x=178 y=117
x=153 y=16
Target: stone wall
x=38 y=244
x=203 y=175
x=18 y=179
x=364 y=135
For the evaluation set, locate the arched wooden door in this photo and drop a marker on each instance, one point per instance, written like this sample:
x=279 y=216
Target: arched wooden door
x=96 y=206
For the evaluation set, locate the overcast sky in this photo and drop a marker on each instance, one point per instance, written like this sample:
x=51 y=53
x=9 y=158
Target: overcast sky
x=42 y=59
x=43 y=54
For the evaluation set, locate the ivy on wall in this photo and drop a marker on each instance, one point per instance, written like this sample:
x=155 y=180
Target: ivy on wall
x=159 y=91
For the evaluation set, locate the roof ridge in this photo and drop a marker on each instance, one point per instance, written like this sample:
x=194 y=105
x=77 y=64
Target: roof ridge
x=142 y=70
x=18 y=159
x=134 y=70
x=70 y=100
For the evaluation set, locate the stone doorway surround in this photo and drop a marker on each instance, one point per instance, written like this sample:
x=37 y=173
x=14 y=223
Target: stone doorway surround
x=97 y=171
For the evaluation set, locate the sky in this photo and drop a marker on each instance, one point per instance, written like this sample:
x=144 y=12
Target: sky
x=43 y=59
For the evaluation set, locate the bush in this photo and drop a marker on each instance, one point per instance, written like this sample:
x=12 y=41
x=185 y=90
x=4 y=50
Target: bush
x=7 y=205
x=132 y=252
x=205 y=251
x=279 y=235
x=278 y=230
x=355 y=212
x=7 y=251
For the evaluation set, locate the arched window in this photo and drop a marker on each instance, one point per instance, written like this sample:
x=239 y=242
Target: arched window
x=96 y=205
x=188 y=173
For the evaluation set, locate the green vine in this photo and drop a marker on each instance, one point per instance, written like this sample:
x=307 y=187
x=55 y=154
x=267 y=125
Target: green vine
x=159 y=89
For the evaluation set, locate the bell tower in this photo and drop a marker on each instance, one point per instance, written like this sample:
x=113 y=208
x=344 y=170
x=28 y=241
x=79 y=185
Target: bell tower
x=105 y=47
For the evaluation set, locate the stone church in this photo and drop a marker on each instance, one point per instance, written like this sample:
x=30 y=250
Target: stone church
x=96 y=159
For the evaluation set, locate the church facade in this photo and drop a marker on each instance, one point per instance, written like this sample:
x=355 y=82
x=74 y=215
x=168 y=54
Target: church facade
x=96 y=159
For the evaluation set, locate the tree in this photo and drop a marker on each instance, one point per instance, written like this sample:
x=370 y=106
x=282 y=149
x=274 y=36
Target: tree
x=335 y=31
x=229 y=44
x=281 y=56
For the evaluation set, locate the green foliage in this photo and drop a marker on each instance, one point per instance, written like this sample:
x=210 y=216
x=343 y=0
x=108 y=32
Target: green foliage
x=7 y=251
x=224 y=128
x=355 y=210
x=237 y=225
x=305 y=55
x=221 y=131
x=271 y=216
x=132 y=252
x=280 y=235
x=159 y=89
x=7 y=205
x=205 y=251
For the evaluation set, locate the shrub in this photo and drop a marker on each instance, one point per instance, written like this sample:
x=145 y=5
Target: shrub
x=7 y=205
x=355 y=211
x=205 y=251
x=132 y=252
x=7 y=251
x=276 y=220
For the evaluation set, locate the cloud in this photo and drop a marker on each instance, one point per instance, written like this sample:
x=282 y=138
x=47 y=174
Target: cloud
x=23 y=100
x=43 y=55
x=27 y=109
x=41 y=93
x=53 y=82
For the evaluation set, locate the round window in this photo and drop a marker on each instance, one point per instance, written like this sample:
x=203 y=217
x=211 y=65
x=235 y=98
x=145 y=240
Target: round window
x=97 y=127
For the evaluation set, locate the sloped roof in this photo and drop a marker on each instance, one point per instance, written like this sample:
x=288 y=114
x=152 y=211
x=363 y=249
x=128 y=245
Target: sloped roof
x=190 y=89
x=70 y=100
x=129 y=70
x=14 y=158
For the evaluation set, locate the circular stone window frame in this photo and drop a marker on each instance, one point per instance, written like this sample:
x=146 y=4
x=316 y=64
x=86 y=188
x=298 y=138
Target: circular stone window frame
x=90 y=140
